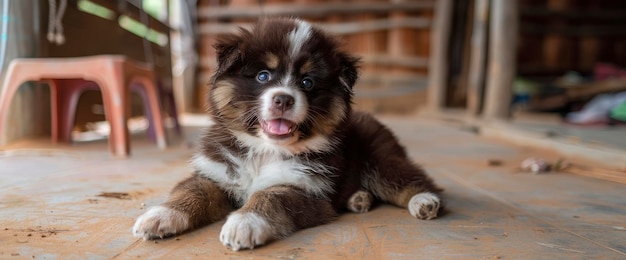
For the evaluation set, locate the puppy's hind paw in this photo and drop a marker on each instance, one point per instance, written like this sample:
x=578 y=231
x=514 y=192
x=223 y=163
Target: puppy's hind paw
x=160 y=222
x=424 y=205
x=360 y=202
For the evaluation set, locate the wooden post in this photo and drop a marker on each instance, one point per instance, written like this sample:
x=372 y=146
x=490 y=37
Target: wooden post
x=438 y=61
x=503 y=33
x=476 y=77
x=557 y=49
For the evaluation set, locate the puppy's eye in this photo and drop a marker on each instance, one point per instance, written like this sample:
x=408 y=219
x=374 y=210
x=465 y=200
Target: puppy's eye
x=307 y=83
x=263 y=76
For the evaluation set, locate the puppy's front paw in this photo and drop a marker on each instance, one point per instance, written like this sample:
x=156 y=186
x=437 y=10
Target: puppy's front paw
x=245 y=230
x=424 y=205
x=160 y=222
x=360 y=202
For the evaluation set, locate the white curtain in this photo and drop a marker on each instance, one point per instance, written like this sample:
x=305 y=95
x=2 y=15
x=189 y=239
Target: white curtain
x=19 y=30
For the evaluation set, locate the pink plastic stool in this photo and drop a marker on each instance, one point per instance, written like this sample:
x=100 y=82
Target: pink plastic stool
x=113 y=74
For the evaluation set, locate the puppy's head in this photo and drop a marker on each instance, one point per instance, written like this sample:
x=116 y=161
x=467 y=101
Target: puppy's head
x=284 y=82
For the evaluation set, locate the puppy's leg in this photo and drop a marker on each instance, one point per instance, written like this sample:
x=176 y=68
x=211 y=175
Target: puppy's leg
x=360 y=202
x=194 y=202
x=388 y=173
x=404 y=184
x=274 y=213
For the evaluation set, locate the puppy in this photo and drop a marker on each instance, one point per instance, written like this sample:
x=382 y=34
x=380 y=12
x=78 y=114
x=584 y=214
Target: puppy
x=286 y=151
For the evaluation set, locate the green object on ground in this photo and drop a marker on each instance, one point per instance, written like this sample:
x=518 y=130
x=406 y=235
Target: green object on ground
x=619 y=112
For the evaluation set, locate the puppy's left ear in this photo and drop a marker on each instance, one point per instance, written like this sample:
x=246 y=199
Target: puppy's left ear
x=349 y=73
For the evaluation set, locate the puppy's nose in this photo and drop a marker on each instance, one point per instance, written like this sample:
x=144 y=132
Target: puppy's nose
x=283 y=102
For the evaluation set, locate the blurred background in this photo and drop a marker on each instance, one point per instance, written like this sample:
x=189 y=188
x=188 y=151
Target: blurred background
x=493 y=59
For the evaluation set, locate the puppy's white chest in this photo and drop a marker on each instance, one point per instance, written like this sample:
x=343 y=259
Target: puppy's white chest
x=261 y=171
x=242 y=177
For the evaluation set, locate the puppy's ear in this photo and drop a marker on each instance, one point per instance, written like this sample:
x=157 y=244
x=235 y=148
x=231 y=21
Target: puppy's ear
x=228 y=49
x=349 y=70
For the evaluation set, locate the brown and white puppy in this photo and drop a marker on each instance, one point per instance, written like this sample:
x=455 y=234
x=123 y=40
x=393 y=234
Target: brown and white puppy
x=286 y=151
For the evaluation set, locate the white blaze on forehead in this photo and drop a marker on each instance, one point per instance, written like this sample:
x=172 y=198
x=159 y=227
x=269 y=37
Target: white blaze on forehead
x=299 y=36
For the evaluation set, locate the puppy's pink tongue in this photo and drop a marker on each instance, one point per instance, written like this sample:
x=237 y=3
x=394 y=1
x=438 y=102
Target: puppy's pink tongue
x=279 y=126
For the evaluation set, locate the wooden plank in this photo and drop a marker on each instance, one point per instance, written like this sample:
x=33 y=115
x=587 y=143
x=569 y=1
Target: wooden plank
x=573 y=30
x=476 y=74
x=154 y=24
x=596 y=172
x=385 y=60
x=588 y=90
x=597 y=14
x=129 y=8
x=589 y=52
x=390 y=87
x=438 y=62
x=556 y=48
x=366 y=59
x=456 y=95
x=503 y=35
x=419 y=81
x=311 y=10
x=336 y=28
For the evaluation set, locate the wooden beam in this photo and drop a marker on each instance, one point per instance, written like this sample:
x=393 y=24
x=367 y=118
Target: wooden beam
x=386 y=60
x=438 y=61
x=134 y=11
x=463 y=18
x=300 y=10
x=503 y=33
x=336 y=28
x=386 y=85
x=389 y=86
x=588 y=90
x=574 y=30
x=368 y=59
x=603 y=14
x=478 y=50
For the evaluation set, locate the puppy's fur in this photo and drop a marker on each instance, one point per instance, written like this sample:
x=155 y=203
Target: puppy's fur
x=286 y=151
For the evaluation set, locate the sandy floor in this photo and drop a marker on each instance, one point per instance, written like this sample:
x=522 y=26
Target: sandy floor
x=75 y=202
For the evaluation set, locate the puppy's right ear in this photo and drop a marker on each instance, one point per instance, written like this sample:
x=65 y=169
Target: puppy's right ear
x=228 y=49
x=349 y=70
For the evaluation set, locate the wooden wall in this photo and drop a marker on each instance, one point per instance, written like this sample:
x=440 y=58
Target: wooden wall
x=562 y=35
x=392 y=37
x=553 y=38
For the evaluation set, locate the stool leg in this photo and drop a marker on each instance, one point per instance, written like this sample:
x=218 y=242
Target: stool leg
x=13 y=80
x=116 y=103
x=139 y=89
x=56 y=108
x=155 y=106
x=173 y=111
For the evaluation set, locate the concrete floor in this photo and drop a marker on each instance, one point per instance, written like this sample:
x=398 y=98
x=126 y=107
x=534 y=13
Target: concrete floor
x=75 y=202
